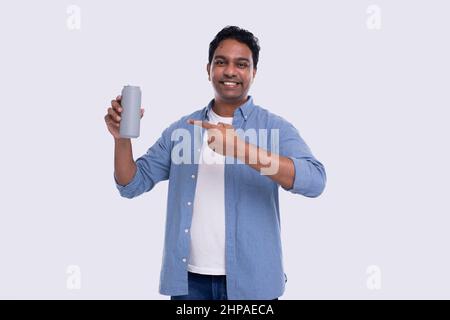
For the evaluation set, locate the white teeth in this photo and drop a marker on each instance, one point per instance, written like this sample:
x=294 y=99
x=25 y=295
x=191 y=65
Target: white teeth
x=230 y=83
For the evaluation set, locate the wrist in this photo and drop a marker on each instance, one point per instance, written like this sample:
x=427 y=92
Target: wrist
x=122 y=141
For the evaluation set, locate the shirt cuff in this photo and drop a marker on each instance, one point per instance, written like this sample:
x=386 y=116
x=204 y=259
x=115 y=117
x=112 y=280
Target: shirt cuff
x=302 y=177
x=127 y=190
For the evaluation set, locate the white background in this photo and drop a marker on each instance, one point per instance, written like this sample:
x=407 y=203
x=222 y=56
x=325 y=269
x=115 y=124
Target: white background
x=371 y=104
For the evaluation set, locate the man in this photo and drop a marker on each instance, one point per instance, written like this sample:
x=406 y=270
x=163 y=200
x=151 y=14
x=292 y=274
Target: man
x=222 y=237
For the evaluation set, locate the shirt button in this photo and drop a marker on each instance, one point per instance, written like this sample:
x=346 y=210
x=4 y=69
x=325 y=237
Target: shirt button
x=189 y=203
x=193 y=176
x=184 y=259
x=186 y=230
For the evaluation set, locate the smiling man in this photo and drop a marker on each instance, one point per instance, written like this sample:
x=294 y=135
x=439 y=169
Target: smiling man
x=222 y=236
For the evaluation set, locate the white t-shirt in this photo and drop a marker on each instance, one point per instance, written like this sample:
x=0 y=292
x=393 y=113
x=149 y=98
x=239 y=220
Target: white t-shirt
x=207 y=250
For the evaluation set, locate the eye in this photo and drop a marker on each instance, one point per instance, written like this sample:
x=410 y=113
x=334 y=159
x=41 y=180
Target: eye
x=219 y=62
x=242 y=65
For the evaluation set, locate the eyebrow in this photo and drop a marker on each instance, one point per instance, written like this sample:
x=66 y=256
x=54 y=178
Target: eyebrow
x=238 y=59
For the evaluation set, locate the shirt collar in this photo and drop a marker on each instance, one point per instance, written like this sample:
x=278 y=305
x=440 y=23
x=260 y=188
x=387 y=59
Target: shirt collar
x=243 y=110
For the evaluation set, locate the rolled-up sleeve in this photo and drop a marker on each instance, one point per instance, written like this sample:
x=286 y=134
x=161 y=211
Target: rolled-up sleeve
x=310 y=176
x=151 y=168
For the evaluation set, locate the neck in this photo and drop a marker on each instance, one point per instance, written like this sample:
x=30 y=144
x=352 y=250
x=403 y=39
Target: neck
x=226 y=109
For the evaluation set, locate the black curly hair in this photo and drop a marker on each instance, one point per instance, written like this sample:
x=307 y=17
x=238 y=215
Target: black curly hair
x=238 y=34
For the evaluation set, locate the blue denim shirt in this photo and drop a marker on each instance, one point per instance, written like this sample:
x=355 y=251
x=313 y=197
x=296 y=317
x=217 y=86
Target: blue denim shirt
x=254 y=264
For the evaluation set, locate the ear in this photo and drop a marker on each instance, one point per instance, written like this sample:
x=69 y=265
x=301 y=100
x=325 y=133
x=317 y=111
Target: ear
x=207 y=70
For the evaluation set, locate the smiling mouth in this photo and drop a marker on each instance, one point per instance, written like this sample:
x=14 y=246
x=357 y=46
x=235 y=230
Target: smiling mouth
x=230 y=84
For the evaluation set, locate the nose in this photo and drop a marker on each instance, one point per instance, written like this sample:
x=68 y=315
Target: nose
x=230 y=71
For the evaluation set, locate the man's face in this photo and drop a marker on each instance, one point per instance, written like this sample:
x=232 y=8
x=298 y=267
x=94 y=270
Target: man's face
x=231 y=71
